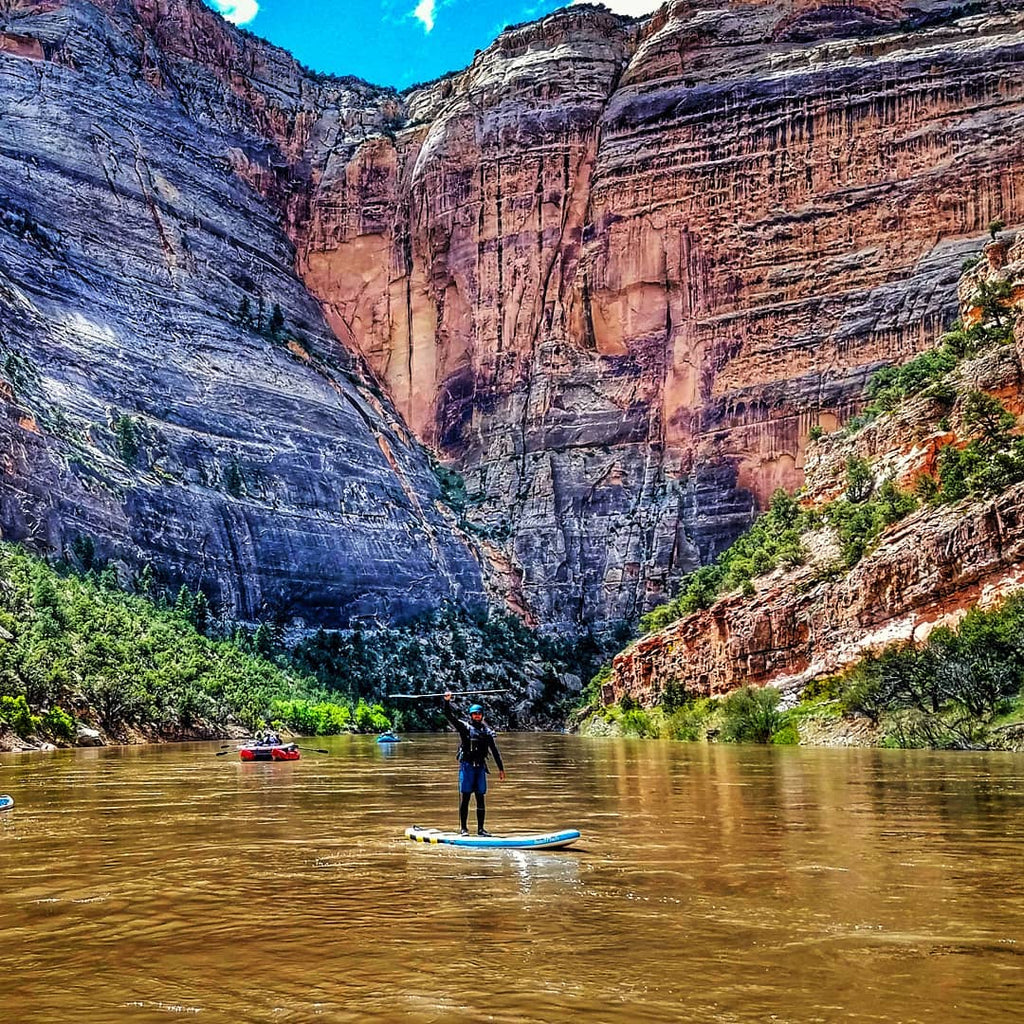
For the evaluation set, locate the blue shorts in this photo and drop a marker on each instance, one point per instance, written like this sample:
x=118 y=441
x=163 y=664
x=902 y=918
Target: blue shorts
x=472 y=778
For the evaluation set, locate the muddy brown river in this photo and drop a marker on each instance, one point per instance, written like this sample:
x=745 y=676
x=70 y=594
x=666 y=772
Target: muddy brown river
x=712 y=883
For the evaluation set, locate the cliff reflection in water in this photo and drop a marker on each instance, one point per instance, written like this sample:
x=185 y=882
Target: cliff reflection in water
x=712 y=883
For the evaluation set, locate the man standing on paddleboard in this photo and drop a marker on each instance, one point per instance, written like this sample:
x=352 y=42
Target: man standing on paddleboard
x=477 y=742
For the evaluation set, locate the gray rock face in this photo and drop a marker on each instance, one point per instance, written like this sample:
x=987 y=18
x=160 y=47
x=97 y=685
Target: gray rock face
x=86 y=737
x=141 y=420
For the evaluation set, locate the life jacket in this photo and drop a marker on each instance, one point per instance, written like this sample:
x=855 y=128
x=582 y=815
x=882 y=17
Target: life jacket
x=475 y=746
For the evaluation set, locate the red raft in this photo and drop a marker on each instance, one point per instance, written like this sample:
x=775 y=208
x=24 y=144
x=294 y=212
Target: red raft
x=270 y=752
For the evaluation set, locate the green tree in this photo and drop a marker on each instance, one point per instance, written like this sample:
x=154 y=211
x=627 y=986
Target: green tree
x=994 y=299
x=860 y=481
x=84 y=549
x=184 y=604
x=264 y=640
x=989 y=415
x=674 y=697
x=988 y=464
x=126 y=439
x=244 y=312
x=275 y=328
x=200 y=617
x=145 y=582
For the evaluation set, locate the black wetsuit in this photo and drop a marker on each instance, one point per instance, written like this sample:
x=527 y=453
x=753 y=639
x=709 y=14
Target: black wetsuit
x=477 y=743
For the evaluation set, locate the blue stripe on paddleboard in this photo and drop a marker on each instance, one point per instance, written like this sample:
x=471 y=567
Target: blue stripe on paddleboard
x=5 y=802
x=521 y=842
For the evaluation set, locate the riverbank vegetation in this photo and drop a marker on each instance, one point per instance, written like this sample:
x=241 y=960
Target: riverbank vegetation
x=748 y=715
x=76 y=651
x=456 y=649
x=963 y=689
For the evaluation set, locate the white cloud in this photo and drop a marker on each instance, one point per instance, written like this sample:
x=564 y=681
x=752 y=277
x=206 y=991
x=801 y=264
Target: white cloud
x=239 y=12
x=424 y=11
x=634 y=8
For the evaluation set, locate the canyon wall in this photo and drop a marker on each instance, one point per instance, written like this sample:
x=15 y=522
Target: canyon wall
x=616 y=272
x=613 y=272
x=144 y=420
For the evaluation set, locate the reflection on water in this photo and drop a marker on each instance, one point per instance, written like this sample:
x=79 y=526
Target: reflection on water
x=711 y=884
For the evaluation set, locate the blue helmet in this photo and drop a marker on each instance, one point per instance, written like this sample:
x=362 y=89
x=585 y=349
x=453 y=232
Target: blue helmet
x=476 y=709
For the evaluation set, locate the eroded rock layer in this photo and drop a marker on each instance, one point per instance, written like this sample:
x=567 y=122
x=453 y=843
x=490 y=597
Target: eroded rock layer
x=927 y=569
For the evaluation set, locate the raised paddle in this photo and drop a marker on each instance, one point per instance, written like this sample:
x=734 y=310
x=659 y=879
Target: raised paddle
x=315 y=750
x=226 y=748
x=453 y=693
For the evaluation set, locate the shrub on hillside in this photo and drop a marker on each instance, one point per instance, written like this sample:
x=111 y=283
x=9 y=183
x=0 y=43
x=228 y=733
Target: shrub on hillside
x=990 y=462
x=751 y=715
x=127 y=439
x=773 y=540
x=864 y=513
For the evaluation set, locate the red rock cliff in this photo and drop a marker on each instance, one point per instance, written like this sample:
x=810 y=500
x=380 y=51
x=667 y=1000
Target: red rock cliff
x=927 y=570
x=616 y=273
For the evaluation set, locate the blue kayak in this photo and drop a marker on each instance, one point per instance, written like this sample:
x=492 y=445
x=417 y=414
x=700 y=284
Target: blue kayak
x=5 y=802
x=522 y=841
x=388 y=737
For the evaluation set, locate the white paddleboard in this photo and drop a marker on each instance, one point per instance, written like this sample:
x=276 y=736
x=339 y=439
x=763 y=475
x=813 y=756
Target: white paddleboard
x=519 y=841
x=5 y=802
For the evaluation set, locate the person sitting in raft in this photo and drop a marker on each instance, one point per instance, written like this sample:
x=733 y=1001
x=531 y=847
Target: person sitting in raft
x=477 y=742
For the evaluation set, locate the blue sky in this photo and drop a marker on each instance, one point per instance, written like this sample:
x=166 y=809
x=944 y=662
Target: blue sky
x=390 y=42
